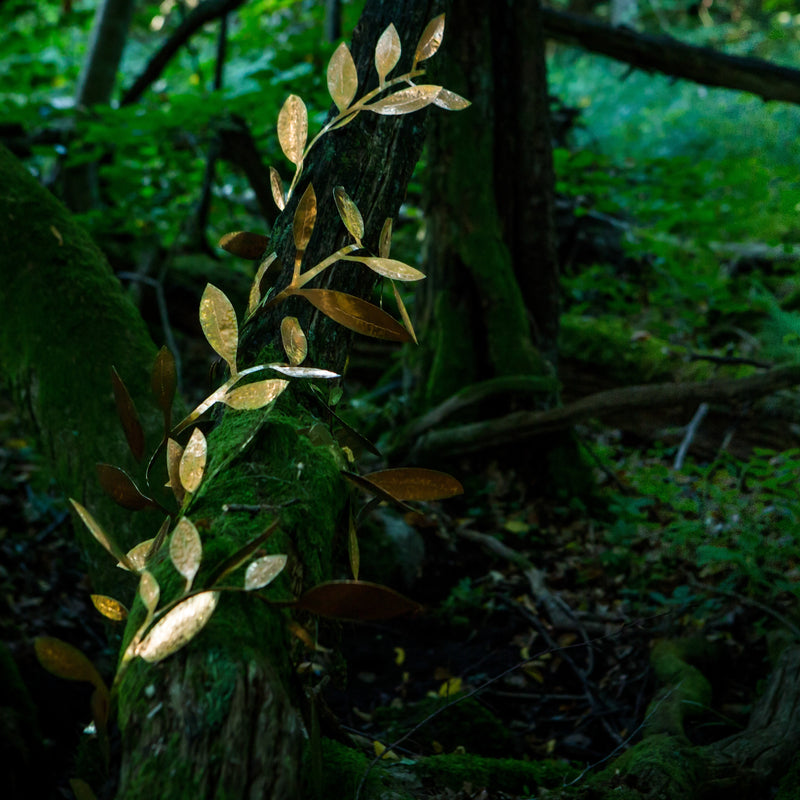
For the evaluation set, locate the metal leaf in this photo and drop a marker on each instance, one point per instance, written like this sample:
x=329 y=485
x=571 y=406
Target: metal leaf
x=138 y=555
x=385 y=239
x=356 y=314
x=406 y=100
x=126 y=411
x=263 y=571
x=81 y=789
x=218 y=321
x=186 y=550
x=389 y=268
x=263 y=273
x=353 y=550
x=348 y=211
x=193 y=461
x=164 y=383
x=342 y=77
x=120 y=487
x=431 y=39
x=387 y=52
x=174 y=455
x=358 y=600
x=293 y=128
x=178 y=627
x=101 y=536
x=411 y=483
x=304 y=372
x=149 y=591
x=304 y=218
x=451 y=101
x=158 y=540
x=276 y=184
x=401 y=307
x=65 y=661
x=245 y=244
x=242 y=555
x=294 y=341
x=254 y=395
x=109 y=607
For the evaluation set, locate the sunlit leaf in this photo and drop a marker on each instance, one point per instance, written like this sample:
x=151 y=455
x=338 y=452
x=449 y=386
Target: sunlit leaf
x=218 y=321
x=193 y=461
x=65 y=661
x=263 y=274
x=293 y=128
x=389 y=268
x=406 y=100
x=254 y=395
x=174 y=456
x=186 y=550
x=263 y=571
x=178 y=627
x=149 y=591
x=304 y=372
x=431 y=39
x=138 y=555
x=348 y=211
x=242 y=555
x=304 y=218
x=81 y=789
x=387 y=52
x=294 y=341
x=451 y=101
x=164 y=382
x=401 y=307
x=412 y=483
x=357 y=600
x=385 y=240
x=99 y=534
x=342 y=77
x=109 y=607
x=352 y=547
x=356 y=314
x=276 y=184
x=245 y=244
x=126 y=411
x=119 y=486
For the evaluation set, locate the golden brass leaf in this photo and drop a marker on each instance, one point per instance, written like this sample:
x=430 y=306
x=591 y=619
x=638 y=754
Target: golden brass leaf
x=254 y=395
x=174 y=455
x=119 y=486
x=149 y=591
x=193 y=461
x=138 y=555
x=101 y=536
x=389 y=268
x=401 y=307
x=342 y=77
x=304 y=372
x=406 y=100
x=358 y=600
x=276 y=184
x=242 y=555
x=263 y=571
x=431 y=39
x=126 y=411
x=356 y=314
x=158 y=540
x=348 y=211
x=109 y=607
x=304 y=218
x=218 y=321
x=245 y=244
x=411 y=483
x=293 y=128
x=65 y=661
x=387 y=53
x=263 y=272
x=293 y=340
x=385 y=240
x=186 y=550
x=164 y=382
x=451 y=101
x=178 y=627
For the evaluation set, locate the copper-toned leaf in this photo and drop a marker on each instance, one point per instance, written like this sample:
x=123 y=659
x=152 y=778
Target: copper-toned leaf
x=387 y=52
x=126 y=411
x=431 y=39
x=293 y=128
x=245 y=244
x=164 y=382
x=342 y=77
x=269 y=269
x=276 y=184
x=294 y=341
x=304 y=372
x=218 y=320
x=348 y=211
x=406 y=100
x=65 y=661
x=411 y=483
x=178 y=627
x=263 y=571
x=81 y=789
x=304 y=218
x=358 y=600
x=385 y=240
x=356 y=314
x=241 y=556
x=186 y=550
x=193 y=461
x=109 y=607
x=451 y=101
x=378 y=491
x=119 y=486
x=254 y=395
x=352 y=547
x=401 y=307
x=94 y=528
x=174 y=456
x=389 y=268
x=149 y=591
x=138 y=555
